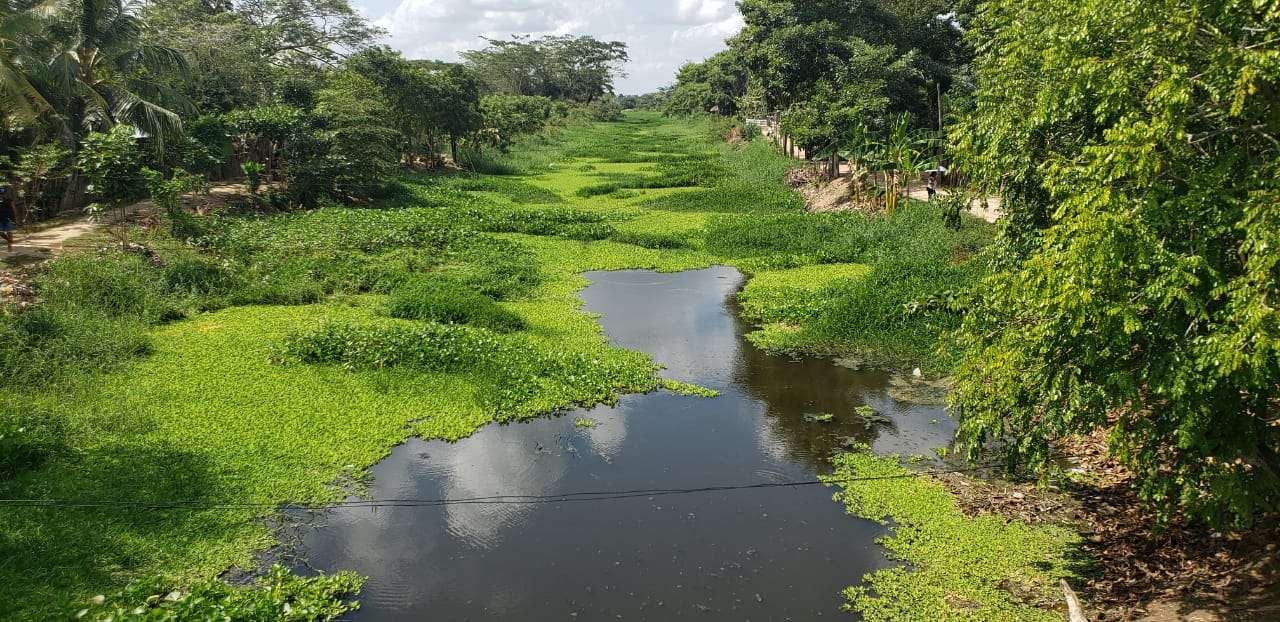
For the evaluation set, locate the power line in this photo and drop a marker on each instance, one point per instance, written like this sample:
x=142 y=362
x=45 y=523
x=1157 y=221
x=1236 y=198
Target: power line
x=573 y=497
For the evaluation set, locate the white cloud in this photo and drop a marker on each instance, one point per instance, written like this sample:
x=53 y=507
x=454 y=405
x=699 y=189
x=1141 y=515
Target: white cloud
x=660 y=35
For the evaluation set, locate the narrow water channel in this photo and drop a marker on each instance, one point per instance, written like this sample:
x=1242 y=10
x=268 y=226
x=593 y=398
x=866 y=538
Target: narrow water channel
x=757 y=554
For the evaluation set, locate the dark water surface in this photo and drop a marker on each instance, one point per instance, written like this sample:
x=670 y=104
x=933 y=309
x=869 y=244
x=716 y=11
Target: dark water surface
x=760 y=554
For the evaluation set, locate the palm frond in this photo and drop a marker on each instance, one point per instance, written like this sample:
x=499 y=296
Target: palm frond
x=162 y=124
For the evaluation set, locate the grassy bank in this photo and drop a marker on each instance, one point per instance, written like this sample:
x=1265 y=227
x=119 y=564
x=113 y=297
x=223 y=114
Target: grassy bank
x=284 y=353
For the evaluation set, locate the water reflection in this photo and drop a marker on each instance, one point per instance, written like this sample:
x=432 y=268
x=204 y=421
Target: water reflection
x=770 y=554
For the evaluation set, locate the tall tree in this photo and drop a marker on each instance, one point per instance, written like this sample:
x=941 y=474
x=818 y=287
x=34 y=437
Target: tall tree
x=563 y=67
x=307 y=32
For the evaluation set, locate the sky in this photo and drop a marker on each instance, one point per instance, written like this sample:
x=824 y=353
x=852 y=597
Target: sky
x=661 y=35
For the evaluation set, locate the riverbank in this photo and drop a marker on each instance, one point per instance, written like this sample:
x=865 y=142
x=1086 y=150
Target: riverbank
x=195 y=378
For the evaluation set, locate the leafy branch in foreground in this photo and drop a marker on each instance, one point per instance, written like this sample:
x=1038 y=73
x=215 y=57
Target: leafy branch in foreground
x=1137 y=142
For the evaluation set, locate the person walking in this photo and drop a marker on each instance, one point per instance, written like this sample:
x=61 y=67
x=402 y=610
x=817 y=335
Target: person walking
x=931 y=186
x=8 y=221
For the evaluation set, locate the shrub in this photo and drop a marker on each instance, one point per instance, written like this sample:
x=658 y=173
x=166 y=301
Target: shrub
x=449 y=302
x=112 y=164
x=200 y=275
x=605 y=108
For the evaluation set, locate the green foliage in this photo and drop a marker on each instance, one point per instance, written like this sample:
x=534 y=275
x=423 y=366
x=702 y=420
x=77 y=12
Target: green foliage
x=280 y=596
x=166 y=194
x=909 y=257
x=449 y=302
x=956 y=568
x=650 y=240
x=93 y=315
x=253 y=172
x=605 y=109
x=507 y=117
x=37 y=170
x=1140 y=256
x=684 y=388
x=714 y=85
x=360 y=147
x=112 y=164
x=513 y=371
x=580 y=69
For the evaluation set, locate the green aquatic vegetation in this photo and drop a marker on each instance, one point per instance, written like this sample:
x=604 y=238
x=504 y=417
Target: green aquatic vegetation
x=685 y=388
x=513 y=372
x=819 y=417
x=795 y=295
x=735 y=197
x=163 y=385
x=584 y=422
x=447 y=301
x=669 y=172
x=513 y=189
x=956 y=568
x=280 y=596
x=428 y=347
x=869 y=415
x=651 y=240
x=334 y=228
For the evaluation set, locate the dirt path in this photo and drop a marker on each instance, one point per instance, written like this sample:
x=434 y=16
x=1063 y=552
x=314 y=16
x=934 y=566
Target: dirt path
x=47 y=243
x=987 y=209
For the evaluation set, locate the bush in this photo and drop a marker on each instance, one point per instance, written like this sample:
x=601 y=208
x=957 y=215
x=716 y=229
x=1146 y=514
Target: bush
x=112 y=164
x=200 y=275
x=449 y=302
x=605 y=108
x=870 y=315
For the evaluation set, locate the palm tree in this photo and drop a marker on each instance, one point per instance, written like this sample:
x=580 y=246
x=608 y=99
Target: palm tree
x=100 y=72
x=19 y=98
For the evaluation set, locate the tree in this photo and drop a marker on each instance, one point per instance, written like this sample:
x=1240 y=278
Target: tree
x=1141 y=264
x=223 y=48
x=306 y=32
x=96 y=76
x=361 y=147
x=458 y=113
x=714 y=85
x=412 y=93
x=506 y=117
x=20 y=100
x=792 y=46
x=579 y=68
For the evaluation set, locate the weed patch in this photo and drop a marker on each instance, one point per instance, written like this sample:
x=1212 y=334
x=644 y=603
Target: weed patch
x=450 y=302
x=959 y=568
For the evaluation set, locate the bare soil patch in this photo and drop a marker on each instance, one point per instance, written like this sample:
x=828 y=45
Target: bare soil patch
x=1143 y=572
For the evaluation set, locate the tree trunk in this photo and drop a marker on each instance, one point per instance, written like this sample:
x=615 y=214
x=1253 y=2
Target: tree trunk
x=453 y=147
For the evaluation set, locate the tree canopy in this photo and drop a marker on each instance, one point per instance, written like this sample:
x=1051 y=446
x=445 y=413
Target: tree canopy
x=577 y=68
x=1138 y=144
